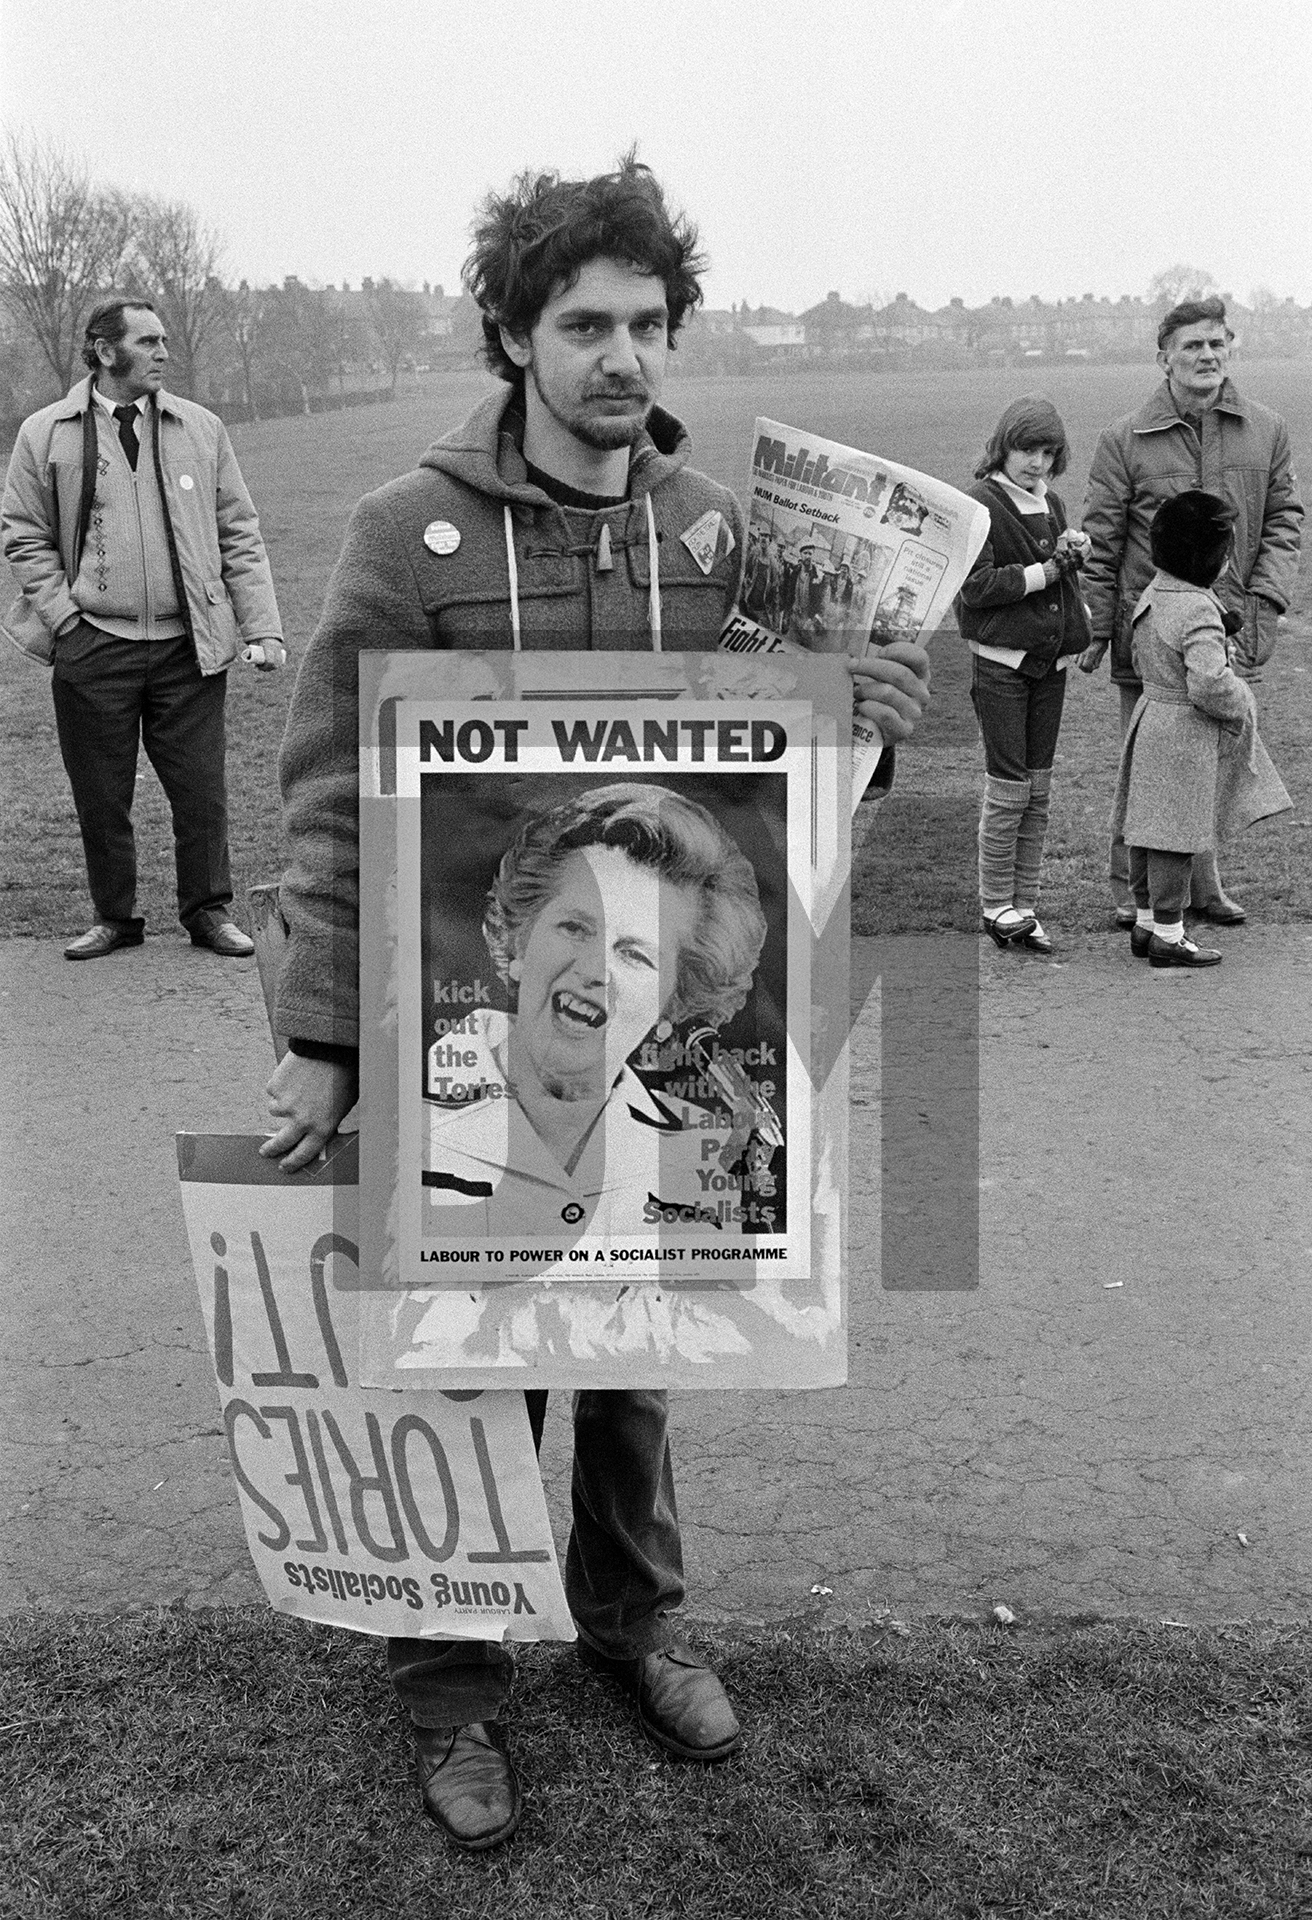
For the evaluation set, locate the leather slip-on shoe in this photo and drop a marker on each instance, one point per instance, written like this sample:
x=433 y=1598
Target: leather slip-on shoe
x=1180 y=953
x=1139 y=941
x=468 y=1784
x=681 y=1704
x=223 y=937
x=1221 y=913
x=100 y=940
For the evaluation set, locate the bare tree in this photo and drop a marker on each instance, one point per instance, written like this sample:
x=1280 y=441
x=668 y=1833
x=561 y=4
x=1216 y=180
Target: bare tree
x=398 y=321
x=1180 y=282
x=61 y=243
x=242 y=314
x=297 y=338
x=173 y=260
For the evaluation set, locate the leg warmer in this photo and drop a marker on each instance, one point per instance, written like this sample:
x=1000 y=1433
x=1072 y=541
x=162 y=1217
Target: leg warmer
x=1005 y=802
x=1030 y=836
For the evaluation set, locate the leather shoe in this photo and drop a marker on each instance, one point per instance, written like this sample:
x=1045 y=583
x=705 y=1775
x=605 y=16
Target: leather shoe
x=100 y=940
x=1180 y=953
x=1221 y=912
x=1009 y=927
x=681 y=1704
x=1140 y=937
x=468 y=1784
x=222 y=936
x=1125 y=918
x=1038 y=939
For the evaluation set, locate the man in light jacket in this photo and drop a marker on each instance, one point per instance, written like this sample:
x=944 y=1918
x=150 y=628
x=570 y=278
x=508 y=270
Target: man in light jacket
x=143 y=575
x=1195 y=431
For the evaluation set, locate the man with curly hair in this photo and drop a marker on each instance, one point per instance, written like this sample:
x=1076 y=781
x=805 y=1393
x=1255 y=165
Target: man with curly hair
x=562 y=514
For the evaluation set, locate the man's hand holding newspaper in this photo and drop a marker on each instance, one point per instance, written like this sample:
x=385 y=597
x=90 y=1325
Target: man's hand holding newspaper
x=891 y=685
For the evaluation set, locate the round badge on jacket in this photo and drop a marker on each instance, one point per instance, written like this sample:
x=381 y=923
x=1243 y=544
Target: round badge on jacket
x=441 y=537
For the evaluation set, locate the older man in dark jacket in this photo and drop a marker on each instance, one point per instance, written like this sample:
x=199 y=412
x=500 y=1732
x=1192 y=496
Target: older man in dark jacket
x=1195 y=431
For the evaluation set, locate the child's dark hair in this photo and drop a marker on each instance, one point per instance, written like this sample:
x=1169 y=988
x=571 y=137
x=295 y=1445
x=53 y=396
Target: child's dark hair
x=1190 y=536
x=1028 y=422
x=541 y=233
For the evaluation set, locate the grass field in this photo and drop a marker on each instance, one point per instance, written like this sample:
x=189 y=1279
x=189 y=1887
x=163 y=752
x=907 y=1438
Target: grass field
x=306 y=474
x=242 y=1766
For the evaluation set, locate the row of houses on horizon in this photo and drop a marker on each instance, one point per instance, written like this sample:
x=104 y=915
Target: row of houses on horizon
x=1087 y=328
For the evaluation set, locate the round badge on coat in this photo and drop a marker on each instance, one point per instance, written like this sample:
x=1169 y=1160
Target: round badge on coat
x=186 y=482
x=441 y=537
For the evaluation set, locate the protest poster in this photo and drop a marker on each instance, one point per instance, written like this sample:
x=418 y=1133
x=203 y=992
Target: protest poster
x=416 y=1513
x=847 y=552
x=600 y=1144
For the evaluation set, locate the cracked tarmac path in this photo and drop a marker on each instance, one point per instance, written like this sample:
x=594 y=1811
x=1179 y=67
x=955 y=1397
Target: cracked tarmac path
x=1046 y=1438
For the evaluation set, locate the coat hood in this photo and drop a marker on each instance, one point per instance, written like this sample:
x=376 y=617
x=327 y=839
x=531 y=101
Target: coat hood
x=486 y=452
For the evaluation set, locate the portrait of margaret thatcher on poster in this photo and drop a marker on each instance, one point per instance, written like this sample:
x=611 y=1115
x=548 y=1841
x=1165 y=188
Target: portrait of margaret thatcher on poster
x=615 y=920
x=597 y=1001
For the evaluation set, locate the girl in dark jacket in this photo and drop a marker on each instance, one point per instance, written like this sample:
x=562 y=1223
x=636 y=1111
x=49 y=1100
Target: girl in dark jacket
x=1021 y=610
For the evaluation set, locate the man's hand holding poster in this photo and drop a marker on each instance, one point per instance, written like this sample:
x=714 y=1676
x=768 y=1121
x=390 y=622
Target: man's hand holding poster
x=596 y=1150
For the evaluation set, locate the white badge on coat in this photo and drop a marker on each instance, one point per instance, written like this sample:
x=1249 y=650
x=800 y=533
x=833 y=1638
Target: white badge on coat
x=441 y=537
x=703 y=537
x=186 y=482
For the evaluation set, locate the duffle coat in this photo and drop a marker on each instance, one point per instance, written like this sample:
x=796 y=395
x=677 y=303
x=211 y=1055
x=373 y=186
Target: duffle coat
x=1192 y=766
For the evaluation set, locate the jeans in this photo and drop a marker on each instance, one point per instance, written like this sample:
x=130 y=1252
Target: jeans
x=623 y=1567
x=111 y=696
x=1019 y=719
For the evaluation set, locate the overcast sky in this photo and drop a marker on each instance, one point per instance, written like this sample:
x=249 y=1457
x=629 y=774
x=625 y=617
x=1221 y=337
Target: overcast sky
x=939 y=147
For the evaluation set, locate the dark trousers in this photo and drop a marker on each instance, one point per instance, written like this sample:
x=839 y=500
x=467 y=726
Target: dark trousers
x=623 y=1568
x=1019 y=719
x=110 y=697
x=1160 y=880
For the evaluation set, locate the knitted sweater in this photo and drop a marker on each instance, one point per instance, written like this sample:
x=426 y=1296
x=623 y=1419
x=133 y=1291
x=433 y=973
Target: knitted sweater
x=125 y=582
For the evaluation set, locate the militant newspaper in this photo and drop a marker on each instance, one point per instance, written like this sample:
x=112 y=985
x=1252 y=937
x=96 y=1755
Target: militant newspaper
x=847 y=552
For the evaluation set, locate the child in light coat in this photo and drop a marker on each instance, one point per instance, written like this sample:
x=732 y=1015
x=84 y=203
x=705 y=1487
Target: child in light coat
x=1192 y=766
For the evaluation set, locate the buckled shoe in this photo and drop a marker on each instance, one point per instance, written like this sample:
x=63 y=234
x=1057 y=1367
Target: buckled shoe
x=102 y=939
x=1139 y=941
x=681 y=1704
x=1180 y=953
x=468 y=1784
x=1009 y=927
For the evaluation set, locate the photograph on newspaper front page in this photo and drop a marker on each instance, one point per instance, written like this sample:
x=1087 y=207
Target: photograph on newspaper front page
x=597 y=999
x=845 y=552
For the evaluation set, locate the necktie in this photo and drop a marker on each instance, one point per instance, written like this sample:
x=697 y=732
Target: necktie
x=127 y=433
